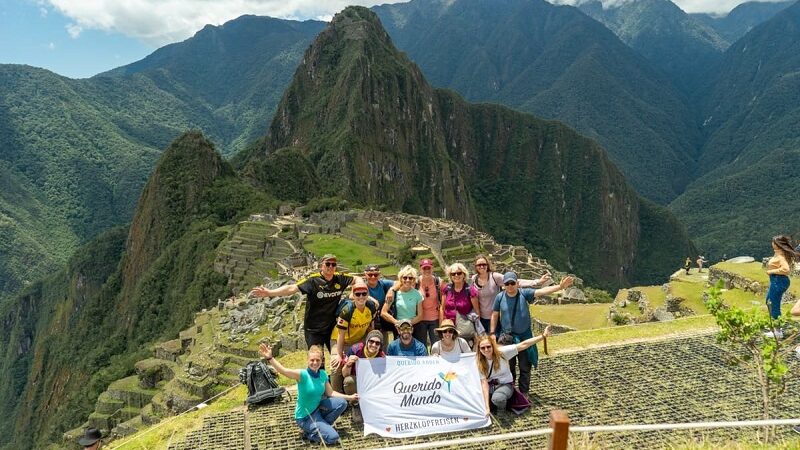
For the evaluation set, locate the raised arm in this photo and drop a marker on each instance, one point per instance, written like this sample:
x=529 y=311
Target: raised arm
x=541 y=281
x=266 y=353
x=565 y=283
x=286 y=289
x=522 y=346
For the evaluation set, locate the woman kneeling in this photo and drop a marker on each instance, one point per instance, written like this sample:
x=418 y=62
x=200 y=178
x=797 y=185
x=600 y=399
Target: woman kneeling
x=496 y=378
x=318 y=405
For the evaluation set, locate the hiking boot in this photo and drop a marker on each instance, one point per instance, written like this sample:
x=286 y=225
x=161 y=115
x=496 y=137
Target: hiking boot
x=358 y=419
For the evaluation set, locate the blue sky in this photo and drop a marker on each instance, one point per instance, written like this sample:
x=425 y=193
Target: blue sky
x=80 y=38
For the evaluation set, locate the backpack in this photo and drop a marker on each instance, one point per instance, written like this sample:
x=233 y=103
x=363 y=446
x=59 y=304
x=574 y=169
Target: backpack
x=262 y=387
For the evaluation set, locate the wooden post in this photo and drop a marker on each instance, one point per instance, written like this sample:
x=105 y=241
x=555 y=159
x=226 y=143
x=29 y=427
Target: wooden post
x=559 y=422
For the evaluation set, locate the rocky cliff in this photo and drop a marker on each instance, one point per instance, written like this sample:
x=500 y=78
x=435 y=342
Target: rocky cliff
x=366 y=124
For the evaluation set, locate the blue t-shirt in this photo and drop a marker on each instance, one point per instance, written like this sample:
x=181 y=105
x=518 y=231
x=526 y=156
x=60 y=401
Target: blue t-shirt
x=416 y=348
x=309 y=393
x=406 y=304
x=505 y=305
x=380 y=290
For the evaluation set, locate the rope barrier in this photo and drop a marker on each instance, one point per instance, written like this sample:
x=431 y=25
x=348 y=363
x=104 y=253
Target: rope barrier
x=596 y=429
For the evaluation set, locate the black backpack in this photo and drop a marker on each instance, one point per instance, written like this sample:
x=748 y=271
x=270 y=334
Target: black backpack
x=262 y=388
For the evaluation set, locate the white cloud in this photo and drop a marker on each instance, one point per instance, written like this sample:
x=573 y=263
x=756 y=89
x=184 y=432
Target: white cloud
x=74 y=30
x=51 y=46
x=159 y=22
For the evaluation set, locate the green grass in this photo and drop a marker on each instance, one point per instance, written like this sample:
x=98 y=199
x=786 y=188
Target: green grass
x=346 y=250
x=755 y=272
x=590 y=338
x=580 y=316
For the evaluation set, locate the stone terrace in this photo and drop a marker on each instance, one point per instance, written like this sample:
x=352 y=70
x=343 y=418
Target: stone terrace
x=679 y=380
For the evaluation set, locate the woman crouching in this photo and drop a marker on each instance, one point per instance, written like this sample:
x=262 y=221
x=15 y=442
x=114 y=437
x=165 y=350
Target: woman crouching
x=318 y=405
x=496 y=378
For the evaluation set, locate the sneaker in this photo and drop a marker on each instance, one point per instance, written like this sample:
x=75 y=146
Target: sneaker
x=358 y=419
x=778 y=334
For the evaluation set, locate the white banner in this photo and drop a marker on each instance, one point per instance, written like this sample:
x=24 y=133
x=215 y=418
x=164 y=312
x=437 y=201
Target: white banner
x=413 y=396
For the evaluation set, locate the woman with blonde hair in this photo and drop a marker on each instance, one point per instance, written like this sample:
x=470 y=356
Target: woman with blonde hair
x=405 y=301
x=497 y=380
x=489 y=283
x=318 y=405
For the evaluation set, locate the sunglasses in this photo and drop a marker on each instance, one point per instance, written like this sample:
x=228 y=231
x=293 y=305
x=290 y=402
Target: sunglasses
x=510 y=283
x=330 y=264
x=427 y=268
x=449 y=331
x=481 y=265
x=457 y=274
x=373 y=274
x=406 y=278
x=373 y=342
x=360 y=294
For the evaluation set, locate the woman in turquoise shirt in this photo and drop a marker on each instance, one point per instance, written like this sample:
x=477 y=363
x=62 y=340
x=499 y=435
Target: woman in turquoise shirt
x=318 y=405
x=405 y=297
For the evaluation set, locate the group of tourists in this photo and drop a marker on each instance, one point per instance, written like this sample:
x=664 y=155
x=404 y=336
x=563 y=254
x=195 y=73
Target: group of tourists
x=419 y=314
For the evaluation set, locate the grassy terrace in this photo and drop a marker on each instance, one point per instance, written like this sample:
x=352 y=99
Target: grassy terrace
x=347 y=250
x=579 y=316
x=678 y=380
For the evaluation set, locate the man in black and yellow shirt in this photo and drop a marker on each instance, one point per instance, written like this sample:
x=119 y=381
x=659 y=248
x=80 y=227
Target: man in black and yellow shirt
x=323 y=291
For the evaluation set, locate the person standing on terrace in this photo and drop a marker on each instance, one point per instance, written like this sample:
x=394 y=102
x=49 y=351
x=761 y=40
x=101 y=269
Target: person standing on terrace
x=378 y=289
x=778 y=269
x=489 y=283
x=323 y=291
x=511 y=310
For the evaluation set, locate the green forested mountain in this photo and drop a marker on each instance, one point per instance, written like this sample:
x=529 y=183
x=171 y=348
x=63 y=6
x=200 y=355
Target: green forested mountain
x=742 y=19
x=71 y=333
x=76 y=153
x=675 y=42
x=557 y=63
x=367 y=126
x=748 y=191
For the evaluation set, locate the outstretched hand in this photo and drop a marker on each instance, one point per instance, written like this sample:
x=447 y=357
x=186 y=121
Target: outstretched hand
x=259 y=292
x=265 y=350
x=566 y=282
x=545 y=278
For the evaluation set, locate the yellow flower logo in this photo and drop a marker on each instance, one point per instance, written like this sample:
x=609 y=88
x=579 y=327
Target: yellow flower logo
x=448 y=377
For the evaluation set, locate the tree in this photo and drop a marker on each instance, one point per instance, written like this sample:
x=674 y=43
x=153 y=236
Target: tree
x=742 y=332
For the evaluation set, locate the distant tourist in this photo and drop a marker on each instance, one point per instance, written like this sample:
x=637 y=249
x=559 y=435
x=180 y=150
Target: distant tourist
x=511 y=311
x=687 y=265
x=355 y=320
x=323 y=292
x=318 y=405
x=497 y=378
x=372 y=347
x=91 y=440
x=378 y=287
x=778 y=269
x=460 y=299
x=404 y=302
x=449 y=346
x=724 y=257
x=405 y=344
x=700 y=261
x=489 y=283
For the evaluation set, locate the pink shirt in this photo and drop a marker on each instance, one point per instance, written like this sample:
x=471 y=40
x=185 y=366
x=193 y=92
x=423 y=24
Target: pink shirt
x=457 y=301
x=430 y=301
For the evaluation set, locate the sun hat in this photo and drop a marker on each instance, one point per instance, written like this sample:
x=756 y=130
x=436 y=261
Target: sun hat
x=447 y=324
x=90 y=436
